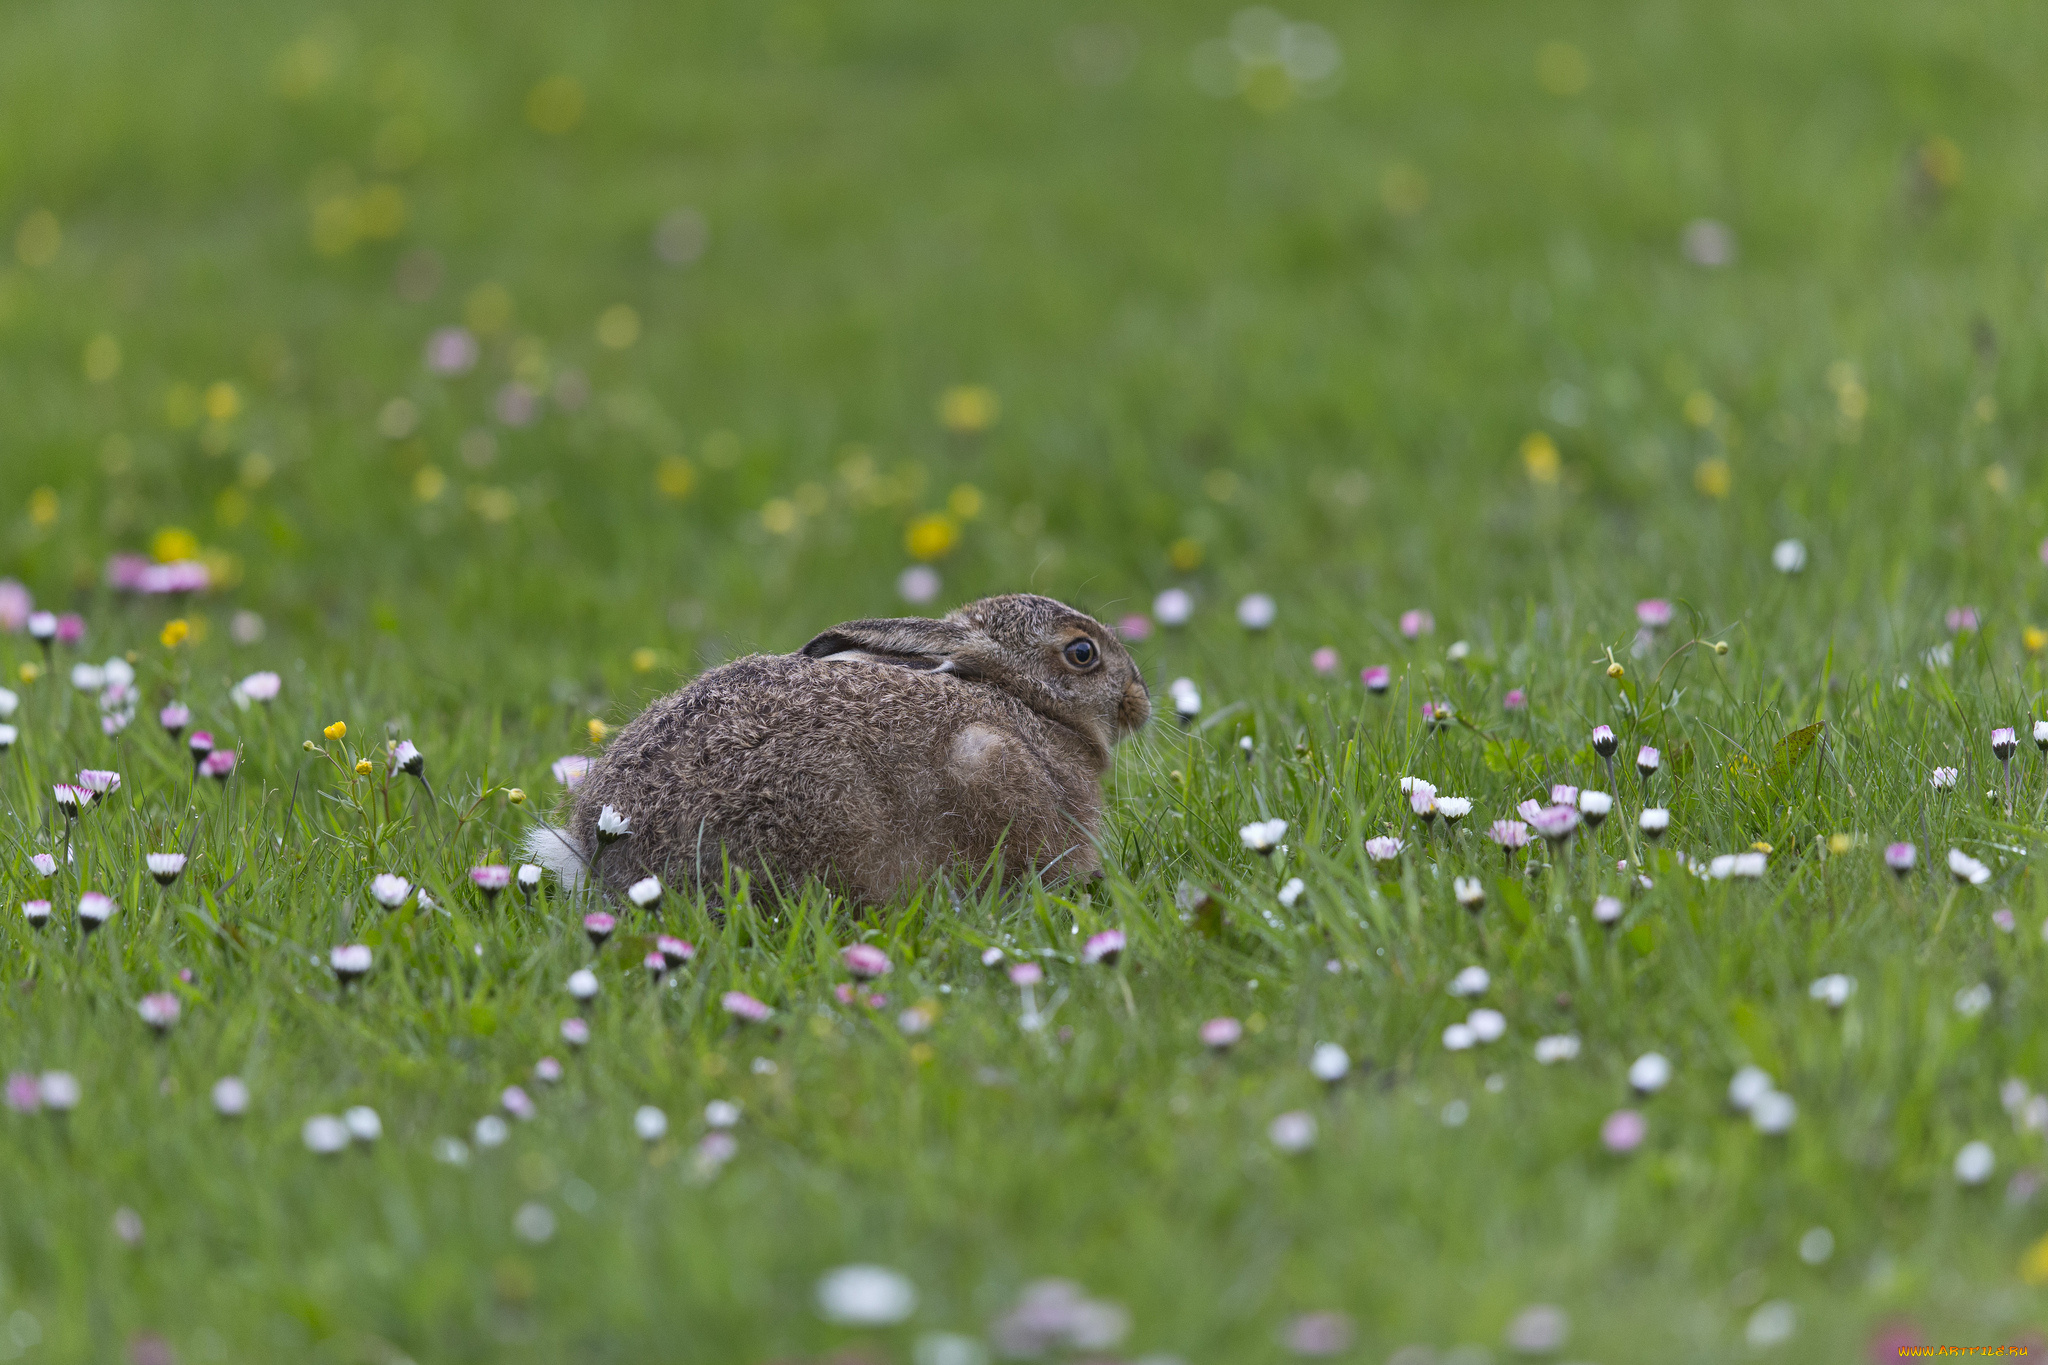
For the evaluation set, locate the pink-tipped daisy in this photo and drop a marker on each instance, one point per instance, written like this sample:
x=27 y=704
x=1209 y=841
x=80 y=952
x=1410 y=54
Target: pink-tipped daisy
x=1222 y=1033
x=491 y=878
x=165 y=867
x=350 y=961
x=1515 y=700
x=1026 y=974
x=36 y=912
x=674 y=950
x=218 y=765
x=1653 y=613
x=1415 y=623
x=1324 y=661
x=1556 y=823
x=1377 y=679
x=1104 y=948
x=1901 y=857
x=599 y=926
x=865 y=961
x=94 y=909
x=745 y=1008
x=1623 y=1131
x=160 y=1011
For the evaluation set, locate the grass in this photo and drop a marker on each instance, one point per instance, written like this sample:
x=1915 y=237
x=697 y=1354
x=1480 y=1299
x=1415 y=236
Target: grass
x=1266 y=342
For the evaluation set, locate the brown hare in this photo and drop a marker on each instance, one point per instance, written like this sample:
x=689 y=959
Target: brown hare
x=880 y=753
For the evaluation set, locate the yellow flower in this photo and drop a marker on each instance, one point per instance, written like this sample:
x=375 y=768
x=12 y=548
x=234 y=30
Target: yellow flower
x=598 y=730
x=1760 y=847
x=1713 y=477
x=172 y=544
x=968 y=408
x=1540 y=458
x=362 y=767
x=30 y=672
x=515 y=796
x=336 y=730
x=2034 y=638
x=1615 y=670
x=1841 y=843
x=175 y=632
x=931 y=536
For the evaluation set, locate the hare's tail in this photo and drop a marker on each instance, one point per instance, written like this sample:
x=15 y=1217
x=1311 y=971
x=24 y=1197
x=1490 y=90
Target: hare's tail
x=558 y=852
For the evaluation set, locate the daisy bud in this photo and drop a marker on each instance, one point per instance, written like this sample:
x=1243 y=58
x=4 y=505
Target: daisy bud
x=1221 y=1034
x=42 y=627
x=160 y=1011
x=1187 y=699
x=649 y=1123
x=491 y=879
x=1901 y=857
x=93 y=911
x=389 y=890
x=548 y=1071
x=1329 y=1063
x=1604 y=742
x=745 y=1008
x=575 y=1032
x=1377 y=679
x=583 y=986
x=599 y=926
x=2004 y=743
x=1607 y=911
x=1471 y=893
x=174 y=718
x=1103 y=948
x=1647 y=761
x=351 y=962
x=165 y=867
x=2041 y=735
x=656 y=965
x=1967 y=870
x=59 y=1091
x=612 y=826
x=219 y=765
x=645 y=892
x=1384 y=849
x=70 y=799
x=37 y=912
x=529 y=879
x=674 y=951
x=44 y=864
x=1654 y=821
x=407 y=759
x=1594 y=806
x=324 y=1135
x=362 y=1123
x=865 y=961
x=230 y=1097
x=1649 y=1073
x=8 y=734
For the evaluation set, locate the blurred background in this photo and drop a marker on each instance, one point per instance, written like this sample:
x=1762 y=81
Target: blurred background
x=565 y=347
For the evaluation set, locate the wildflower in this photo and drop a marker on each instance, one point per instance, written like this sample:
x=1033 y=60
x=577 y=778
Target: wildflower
x=612 y=826
x=159 y=1010
x=15 y=605
x=1788 y=556
x=991 y=956
x=362 y=1123
x=1459 y=1038
x=1653 y=613
x=93 y=911
x=351 y=962
x=230 y=1097
x=1026 y=974
x=490 y=1131
x=37 y=913
x=1470 y=982
x=1833 y=990
x=516 y=1102
x=1604 y=741
x=1974 y=1163
x=451 y=350
x=1134 y=627
x=1384 y=849
x=1471 y=893
x=1623 y=1131
x=745 y=1008
x=1319 y=1334
x=1607 y=911
x=8 y=734
x=674 y=951
x=200 y=745
x=407 y=759
x=1416 y=623
x=1773 y=1113
x=528 y=878
x=1960 y=619
x=582 y=985
x=1187 y=699
x=1509 y=834
x=42 y=627
x=575 y=1032
x=1563 y=794
x=644 y=892
x=1255 y=611
x=1942 y=779
x=24 y=1096
x=2041 y=736
x=1323 y=661
x=1329 y=1063
x=1104 y=948
x=2004 y=743
x=1594 y=806
x=1726 y=865
x=70 y=799
x=219 y=765
x=1221 y=1033
x=165 y=867
x=1967 y=870
x=721 y=1114
x=1291 y=892
x=656 y=966
x=389 y=890
x=1486 y=1025
x=1411 y=785
x=58 y=1091
x=324 y=1135
x=491 y=879
x=1749 y=1085
x=1263 y=836
x=570 y=769
x=1647 y=761
x=1423 y=802
x=1649 y=1073
x=262 y=687
x=44 y=864
x=1555 y=823
x=1173 y=608
x=547 y=1070
x=174 y=718
x=1293 y=1132
x=1377 y=679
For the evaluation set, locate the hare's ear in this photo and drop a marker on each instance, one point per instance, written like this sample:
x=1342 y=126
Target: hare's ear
x=909 y=642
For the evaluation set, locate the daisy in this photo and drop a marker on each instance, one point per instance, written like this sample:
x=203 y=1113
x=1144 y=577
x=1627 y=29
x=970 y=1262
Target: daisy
x=1471 y=893
x=1255 y=611
x=45 y=864
x=37 y=913
x=1323 y=661
x=1594 y=806
x=1437 y=715
x=93 y=911
x=1654 y=821
x=1607 y=910
x=1647 y=762
x=200 y=745
x=1967 y=870
x=528 y=878
x=1293 y=1132
x=649 y=1123
x=174 y=718
x=1788 y=556
x=745 y=1008
x=1329 y=1063
x=230 y=1097
x=2041 y=736
x=219 y=765
x=656 y=966
x=1564 y=794
x=406 y=758
x=1104 y=948
x=1942 y=779
x=1833 y=990
x=1384 y=849
x=1604 y=741
x=674 y=951
x=1470 y=982
x=1453 y=808
x=1263 y=836
x=1515 y=700
x=491 y=879
x=583 y=985
x=8 y=735
x=59 y=1091
x=1291 y=892
x=350 y=961
x=160 y=1011
x=1187 y=699
x=1173 y=608
x=70 y=799
x=1221 y=1034
x=645 y=892
x=1510 y=835
x=1747 y=1086
x=1423 y=803
x=42 y=627
x=1649 y=1073
x=598 y=925
x=165 y=867
x=1623 y=1131
x=1377 y=679
x=515 y=1101
x=1416 y=623
x=324 y=1135
x=1974 y=1163
x=576 y=1032
x=262 y=687
x=1487 y=1025
x=612 y=826
x=548 y=1071
x=1556 y=823
x=362 y=1123
x=2004 y=743
x=389 y=890
x=570 y=769
x=1653 y=613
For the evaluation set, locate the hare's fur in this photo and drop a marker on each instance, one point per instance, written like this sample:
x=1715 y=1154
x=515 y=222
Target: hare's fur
x=884 y=752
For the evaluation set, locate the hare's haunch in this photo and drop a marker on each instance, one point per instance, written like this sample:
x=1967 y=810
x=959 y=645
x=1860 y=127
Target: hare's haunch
x=882 y=752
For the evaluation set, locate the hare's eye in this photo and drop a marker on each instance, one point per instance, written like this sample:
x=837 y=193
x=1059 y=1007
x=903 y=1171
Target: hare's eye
x=1081 y=653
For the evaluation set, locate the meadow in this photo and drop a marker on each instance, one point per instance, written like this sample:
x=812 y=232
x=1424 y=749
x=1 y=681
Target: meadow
x=1416 y=387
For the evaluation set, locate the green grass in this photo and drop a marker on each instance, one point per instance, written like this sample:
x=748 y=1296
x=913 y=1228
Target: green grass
x=1292 y=345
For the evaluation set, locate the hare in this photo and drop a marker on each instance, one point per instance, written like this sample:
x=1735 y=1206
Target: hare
x=882 y=752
